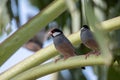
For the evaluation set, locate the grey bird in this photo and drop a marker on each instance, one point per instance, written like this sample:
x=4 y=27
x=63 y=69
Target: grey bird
x=89 y=41
x=62 y=44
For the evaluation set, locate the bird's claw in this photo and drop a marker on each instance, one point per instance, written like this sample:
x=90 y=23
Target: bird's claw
x=86 y=55
x=57 y=59
x=93 y=52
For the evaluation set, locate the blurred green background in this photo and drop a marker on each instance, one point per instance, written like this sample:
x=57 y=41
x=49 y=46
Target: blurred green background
x=103 y=9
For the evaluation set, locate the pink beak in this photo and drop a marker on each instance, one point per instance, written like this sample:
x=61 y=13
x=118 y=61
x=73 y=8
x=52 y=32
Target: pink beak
x=49 y=33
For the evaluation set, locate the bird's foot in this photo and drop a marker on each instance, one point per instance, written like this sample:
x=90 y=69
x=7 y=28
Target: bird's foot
x=57 y=59
x=97 y=53
x=88 y=54
x=92 y=52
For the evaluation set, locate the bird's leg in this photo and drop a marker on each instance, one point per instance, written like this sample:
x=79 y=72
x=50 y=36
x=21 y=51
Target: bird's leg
x=88 y=54
x=57 y=58
x=96 y=53
x=65 y=57
x=92 y=52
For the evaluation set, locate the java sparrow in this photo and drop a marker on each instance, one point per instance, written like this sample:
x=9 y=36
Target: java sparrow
x=89 y=41
x=62 y=44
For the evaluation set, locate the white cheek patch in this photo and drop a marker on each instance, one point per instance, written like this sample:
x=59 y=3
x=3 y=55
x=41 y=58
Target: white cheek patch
x=82 y=28
x=56 y=33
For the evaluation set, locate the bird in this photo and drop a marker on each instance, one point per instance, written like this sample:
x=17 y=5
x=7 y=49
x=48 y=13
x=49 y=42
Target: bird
x=62 y=44
x=88 y=40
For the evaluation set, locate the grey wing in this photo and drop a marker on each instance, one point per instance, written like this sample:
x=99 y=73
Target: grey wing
x=66 y=48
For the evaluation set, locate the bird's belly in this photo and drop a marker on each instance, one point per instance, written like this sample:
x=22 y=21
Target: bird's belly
x=91 y=44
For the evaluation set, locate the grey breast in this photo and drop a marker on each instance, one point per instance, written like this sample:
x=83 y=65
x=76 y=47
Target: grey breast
x=86 y=35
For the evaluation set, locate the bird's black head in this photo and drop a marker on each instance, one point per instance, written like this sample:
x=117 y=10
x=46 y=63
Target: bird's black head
x=55 y=32
x=86 y=26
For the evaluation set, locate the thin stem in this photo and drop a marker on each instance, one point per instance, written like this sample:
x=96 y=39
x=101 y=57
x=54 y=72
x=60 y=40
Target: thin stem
x=73 y=62
x=111 y=24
